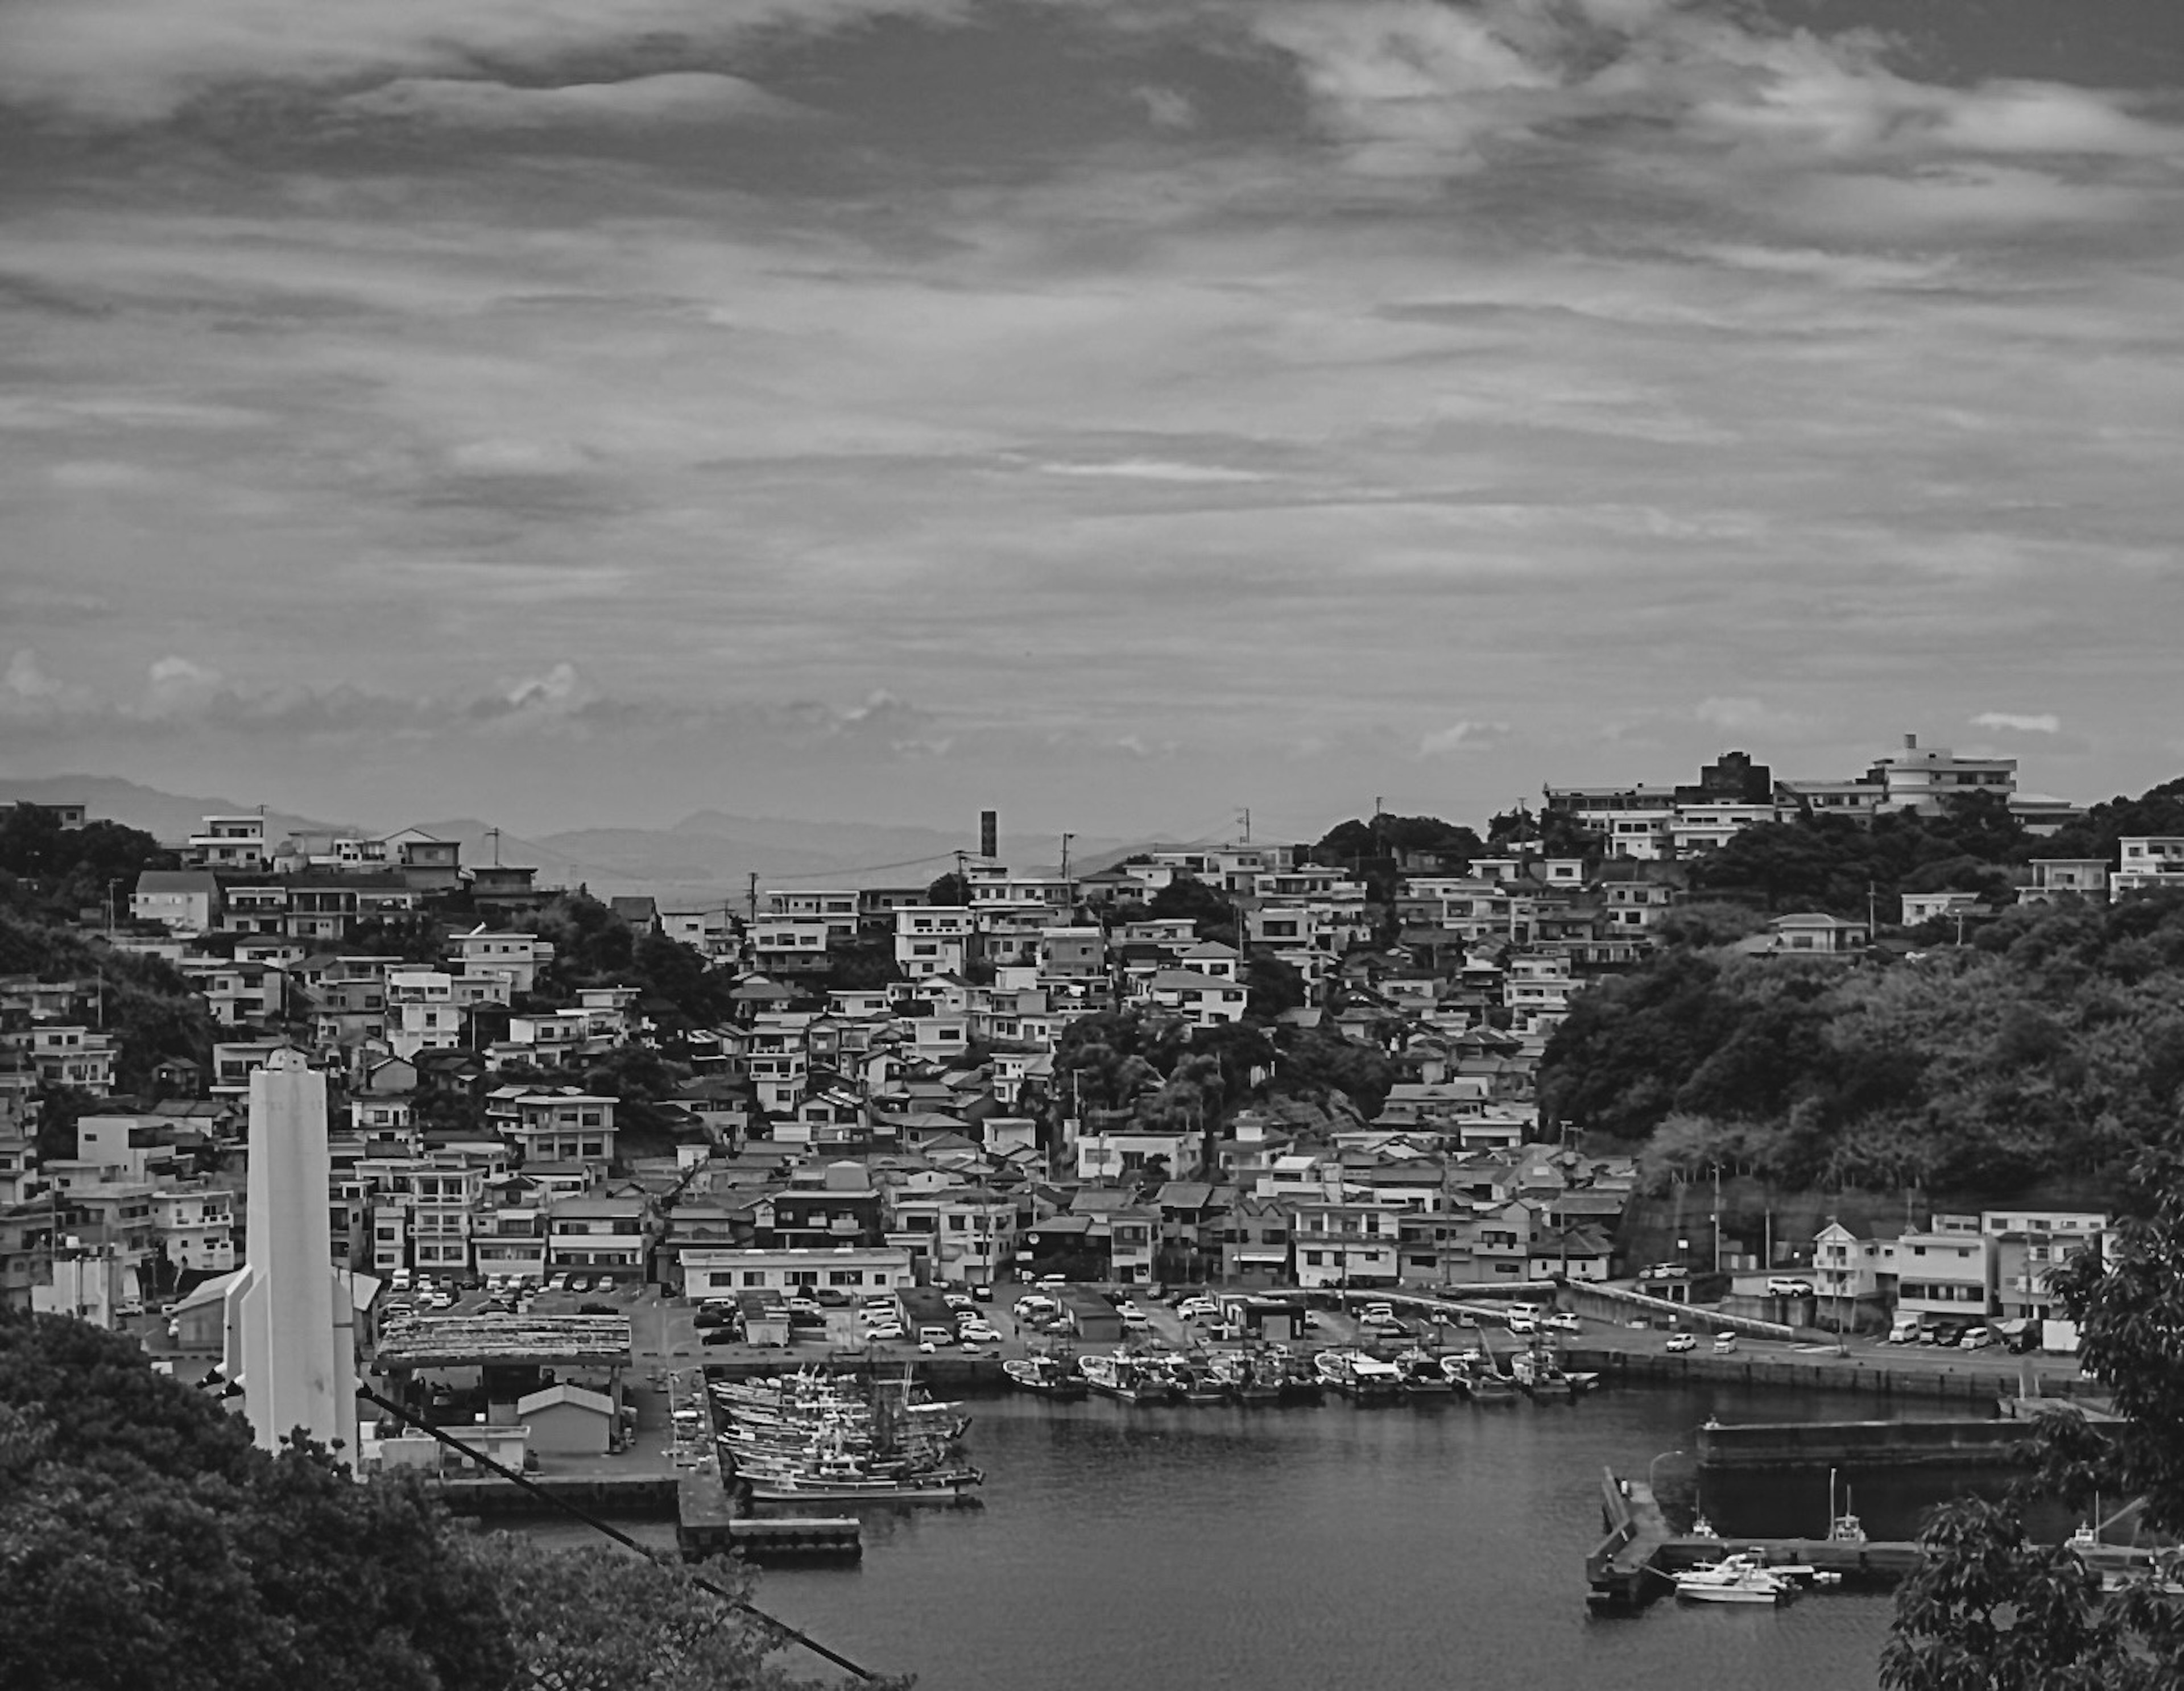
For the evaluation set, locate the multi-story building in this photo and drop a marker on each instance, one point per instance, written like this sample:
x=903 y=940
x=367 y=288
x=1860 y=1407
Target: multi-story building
x=613 y=1233
x=230 y=842
x=2029 y=1246
x=551 y=1124
x=67 y=1054
x=520 y=957
x=1945 y=1273
x=194 y=1227
x=1924 y=778
x=2057 y=877
x=1338 y=1243
x=932 y=940
x=421 y=1011
x=965 y=1235
x=2148 y=864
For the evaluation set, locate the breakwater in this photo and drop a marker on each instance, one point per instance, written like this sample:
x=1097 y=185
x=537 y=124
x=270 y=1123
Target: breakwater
x=1945 y=1442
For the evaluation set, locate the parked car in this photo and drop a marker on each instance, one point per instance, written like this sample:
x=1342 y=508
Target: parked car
x=1564 y=1321
x=801 y=1305
x=1192 y=1307
x=596 y=1309
x=1725 y=1342
x=832 y=1296
x=714 y=1315
x=1523 y=1321
x=720 y=1336
x=1783 y=1287
x=580 y=1282
x=958 y=1300
x=1979 y=1338
x=559 y=1282
x=1682 y=1341
x=1666 y=1271
x=885 y=1331
x=979 y=1333
x=984 y=1294
x=1136 y=1321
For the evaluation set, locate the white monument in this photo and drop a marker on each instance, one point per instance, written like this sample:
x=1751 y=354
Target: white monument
x=290 y=1322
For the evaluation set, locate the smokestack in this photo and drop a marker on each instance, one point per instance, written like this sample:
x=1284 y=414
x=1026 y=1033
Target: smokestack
x=989 y=830
x=1910 y=742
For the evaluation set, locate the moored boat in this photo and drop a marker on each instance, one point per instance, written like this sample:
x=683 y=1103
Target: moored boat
x=1046 y=1377
x=1133 y=1379
x=1735 y=1578
x=1359 y=1376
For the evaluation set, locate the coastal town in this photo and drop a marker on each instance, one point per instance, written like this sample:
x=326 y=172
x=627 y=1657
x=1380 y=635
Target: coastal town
x=1233 y=1066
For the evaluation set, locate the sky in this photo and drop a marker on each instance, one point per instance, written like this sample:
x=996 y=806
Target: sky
x=1118 y=413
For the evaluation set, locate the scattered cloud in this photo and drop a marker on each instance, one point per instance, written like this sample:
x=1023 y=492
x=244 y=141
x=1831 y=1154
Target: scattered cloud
x=1157 y=470
x=2046 y=723
x=674 y=97
x=25 y=679
x=1169 y=110
x=1750 y=716
x=1463 y=736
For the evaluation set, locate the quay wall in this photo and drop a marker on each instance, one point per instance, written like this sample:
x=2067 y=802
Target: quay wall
x=1813 y=1374
x=648 y=1495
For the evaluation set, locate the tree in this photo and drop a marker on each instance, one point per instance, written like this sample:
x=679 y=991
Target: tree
x=1987 y=1607
x=1214 y=916
x=599 y=1620
x=146 y=1544
x=950 y=891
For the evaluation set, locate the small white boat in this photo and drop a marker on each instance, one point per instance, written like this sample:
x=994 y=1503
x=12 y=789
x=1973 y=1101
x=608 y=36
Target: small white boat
x=1733 y=1579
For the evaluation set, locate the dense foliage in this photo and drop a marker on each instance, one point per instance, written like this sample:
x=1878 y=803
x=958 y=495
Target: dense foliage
x=2051 y=1044
x=50 y=871
x=146 y=1544
x=1988 y=1607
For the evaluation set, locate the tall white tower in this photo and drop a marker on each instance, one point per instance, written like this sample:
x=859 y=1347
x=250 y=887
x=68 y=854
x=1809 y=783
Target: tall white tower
x=291 y=1324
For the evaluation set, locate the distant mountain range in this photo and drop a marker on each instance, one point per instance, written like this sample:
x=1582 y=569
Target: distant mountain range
x=708 y=856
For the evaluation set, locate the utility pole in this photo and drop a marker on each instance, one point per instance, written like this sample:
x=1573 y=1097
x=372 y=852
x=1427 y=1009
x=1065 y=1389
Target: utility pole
x=1717 y=1218
x=751 y=898
x=1065 y=839
x=494 y=835
x=1244 y=817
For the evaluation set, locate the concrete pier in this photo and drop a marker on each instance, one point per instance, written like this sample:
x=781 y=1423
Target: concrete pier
x=1950 y=1441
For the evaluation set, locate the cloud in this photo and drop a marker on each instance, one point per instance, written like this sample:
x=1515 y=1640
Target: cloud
x=675 y=97
x=1169 y=110
x=140 y=61
x=2006 y=721
x=1463 y=736
x=1155 y=469
x=26 y=680
x=1746 y=715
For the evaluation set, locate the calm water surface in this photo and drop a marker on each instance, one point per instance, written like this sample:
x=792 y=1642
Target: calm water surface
x=1298 y=1549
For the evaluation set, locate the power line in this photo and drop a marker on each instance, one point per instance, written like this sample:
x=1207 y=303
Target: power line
x=615 y=1533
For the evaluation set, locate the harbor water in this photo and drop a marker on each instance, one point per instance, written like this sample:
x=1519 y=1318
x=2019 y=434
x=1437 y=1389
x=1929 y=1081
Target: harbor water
x=1295 y=1549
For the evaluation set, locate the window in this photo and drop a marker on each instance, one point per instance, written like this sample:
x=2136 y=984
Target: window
x=753 y=1276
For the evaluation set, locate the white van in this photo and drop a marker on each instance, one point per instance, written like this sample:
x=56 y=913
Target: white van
x=1905 y=1330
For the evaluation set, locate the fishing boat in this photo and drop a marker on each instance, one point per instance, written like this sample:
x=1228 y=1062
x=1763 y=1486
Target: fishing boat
x=1358 y=1375
x=1133 y=1379
x=848 y=1484
x=1843 y=1526
x=1248 y=1379
x=1477 y=1378
x=1192 y=1383
x=1735 y=1578
x=1423 y=1377
x=1046 y=1377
